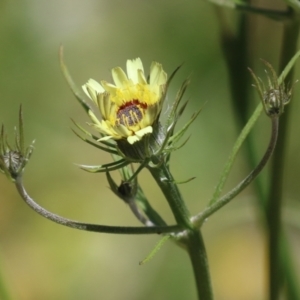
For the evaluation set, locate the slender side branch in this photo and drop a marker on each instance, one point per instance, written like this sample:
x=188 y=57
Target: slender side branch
x=235 y=150
x=90 y=227
x=198 y=220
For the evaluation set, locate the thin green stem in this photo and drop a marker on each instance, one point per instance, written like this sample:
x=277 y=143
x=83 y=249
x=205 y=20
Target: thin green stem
x=197 y=253
x=240 y=140
x=198 y=220
x=148 y=210
x=235 y=49
x=90 y=227
x=229 y=42
x=166 y=182
x=191 y=237
x=290 y=38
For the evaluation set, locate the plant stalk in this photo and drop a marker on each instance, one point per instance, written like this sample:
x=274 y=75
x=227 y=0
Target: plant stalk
x=289 y=46
x=165 y=181
x=191 y=237
x=218 y=204
x=198 y=257
x=90 y=227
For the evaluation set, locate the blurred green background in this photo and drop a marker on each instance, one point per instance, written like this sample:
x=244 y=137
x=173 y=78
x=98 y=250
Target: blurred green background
x=42 y=260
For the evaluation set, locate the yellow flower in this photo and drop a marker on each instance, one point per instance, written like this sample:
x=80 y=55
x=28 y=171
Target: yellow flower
x=129 y=107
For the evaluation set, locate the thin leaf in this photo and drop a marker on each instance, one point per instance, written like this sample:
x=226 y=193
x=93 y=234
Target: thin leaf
x=257 y=84
x=114 y=187
x=2 y=142
x=155 y=250
x=180 y=133
x=172 y=148
x=228 y=166
x=148 y=210
x=21 y=131
x=78 y=93
x=140 y=168
x=105 y=167
x=182 y=181
x=173 y=74
x=288 y=67
x=95 y=145
x=177 y=101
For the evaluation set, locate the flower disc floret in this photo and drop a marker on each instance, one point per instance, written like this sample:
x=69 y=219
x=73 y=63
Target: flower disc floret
x=130 y=107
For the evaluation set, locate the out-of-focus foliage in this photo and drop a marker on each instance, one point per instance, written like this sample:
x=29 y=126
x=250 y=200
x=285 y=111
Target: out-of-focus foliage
x=42 y=260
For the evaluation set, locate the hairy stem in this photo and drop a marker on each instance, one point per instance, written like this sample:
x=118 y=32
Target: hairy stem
x=197 y=253
x=166 y=182
x=191 y=237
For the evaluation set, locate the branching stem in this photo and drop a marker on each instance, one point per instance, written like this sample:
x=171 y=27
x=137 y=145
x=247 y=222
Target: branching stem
x=90 y=227
x=191 y=237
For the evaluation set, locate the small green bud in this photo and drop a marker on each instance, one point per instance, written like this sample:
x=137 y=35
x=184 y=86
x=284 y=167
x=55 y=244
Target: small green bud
x=14 y=160
x=276 y=95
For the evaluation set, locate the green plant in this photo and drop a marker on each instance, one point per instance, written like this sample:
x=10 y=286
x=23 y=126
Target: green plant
x=151 y=143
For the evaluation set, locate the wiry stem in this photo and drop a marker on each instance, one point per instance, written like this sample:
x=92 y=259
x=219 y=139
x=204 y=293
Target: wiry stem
x=90 y=227
x=244 y=183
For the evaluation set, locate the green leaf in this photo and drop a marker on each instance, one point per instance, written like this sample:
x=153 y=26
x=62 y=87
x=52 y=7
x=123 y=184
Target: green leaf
x=95 y=145
x=176 y=137
x=77 y=92
x=155 y=250
x=106 y=167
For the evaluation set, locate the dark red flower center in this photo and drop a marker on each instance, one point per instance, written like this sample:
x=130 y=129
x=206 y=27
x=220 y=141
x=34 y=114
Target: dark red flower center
x=130 y=113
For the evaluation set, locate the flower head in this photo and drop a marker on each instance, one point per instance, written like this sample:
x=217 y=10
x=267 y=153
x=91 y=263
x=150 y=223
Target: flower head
x=130 y=107
x=130 y=110
x=14 y=159
x=276 y=95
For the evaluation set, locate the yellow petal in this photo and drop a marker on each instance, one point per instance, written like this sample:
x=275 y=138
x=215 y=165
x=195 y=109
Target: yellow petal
x=95 y=85
x=110 y=88
x=132 y=67
x=119 y=77
x=122 y=130
x=141 y=77
x=92 y=88
x=132 y=139
x=144 y=131
x=106 y=128
x=94 y=118
x=151 y=114
x=105 y=138
x=157 y=75
x=104 y=104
